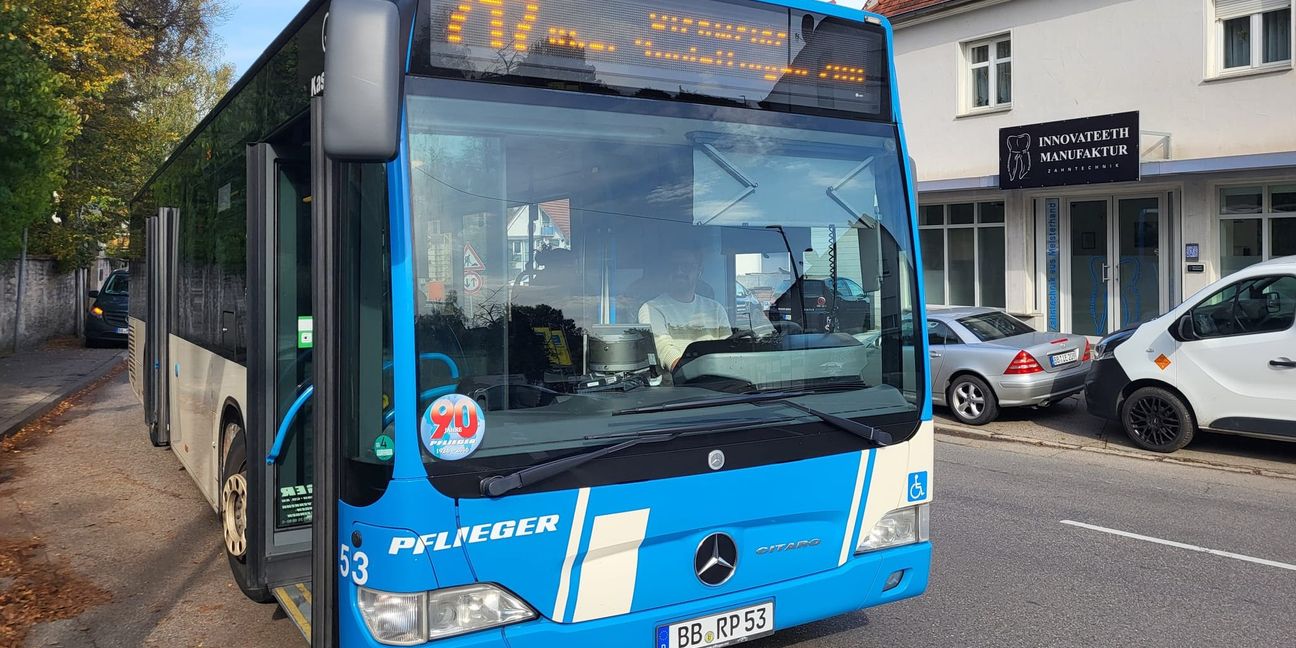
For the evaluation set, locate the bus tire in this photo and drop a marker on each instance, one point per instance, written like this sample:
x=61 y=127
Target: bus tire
x=233 y=517
x=1157 y=419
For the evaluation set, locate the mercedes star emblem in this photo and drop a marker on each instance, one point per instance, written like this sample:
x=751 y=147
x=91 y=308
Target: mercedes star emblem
x=716 y=559
x=716 y=460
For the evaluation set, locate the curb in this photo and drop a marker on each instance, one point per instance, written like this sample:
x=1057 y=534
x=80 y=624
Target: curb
x=15 y=423
x=980 y=435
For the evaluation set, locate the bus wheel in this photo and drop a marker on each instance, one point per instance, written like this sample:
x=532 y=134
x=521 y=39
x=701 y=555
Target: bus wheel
x=234 y=514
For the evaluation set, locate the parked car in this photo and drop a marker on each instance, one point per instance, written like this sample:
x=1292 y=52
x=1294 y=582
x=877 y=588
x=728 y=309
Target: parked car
x=105 y=322
x=745 y=303
x=1224 y=360
x=819 y=295
x=983 y=359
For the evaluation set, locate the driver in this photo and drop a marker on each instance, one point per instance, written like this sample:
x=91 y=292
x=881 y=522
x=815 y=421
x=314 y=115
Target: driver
x=679 y=316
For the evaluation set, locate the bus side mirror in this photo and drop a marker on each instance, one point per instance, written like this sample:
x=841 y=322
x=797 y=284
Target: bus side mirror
x=362 y=80
x=1183 y=330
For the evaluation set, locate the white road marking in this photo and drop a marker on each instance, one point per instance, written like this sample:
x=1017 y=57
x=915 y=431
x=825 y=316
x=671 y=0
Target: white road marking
x=1182 y=545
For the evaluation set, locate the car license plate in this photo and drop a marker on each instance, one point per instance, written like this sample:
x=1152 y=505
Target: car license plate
x=1058 y=359
x=719 y=629
x=123 y=330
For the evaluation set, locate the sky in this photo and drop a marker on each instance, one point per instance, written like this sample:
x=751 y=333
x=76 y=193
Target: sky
x=250 y=27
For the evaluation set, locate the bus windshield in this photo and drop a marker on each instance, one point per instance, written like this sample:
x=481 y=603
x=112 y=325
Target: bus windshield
x=578 y=256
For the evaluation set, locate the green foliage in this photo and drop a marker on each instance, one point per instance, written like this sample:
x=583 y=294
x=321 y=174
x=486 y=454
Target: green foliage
x=35 y=124
x=131 y=77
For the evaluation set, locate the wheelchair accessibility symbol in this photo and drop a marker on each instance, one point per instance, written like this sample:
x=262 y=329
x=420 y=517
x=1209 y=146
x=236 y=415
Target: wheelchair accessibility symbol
x=917 y=486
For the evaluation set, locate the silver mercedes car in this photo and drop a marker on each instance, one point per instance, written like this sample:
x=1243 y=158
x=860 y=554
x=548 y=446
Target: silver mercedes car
x=983 y=359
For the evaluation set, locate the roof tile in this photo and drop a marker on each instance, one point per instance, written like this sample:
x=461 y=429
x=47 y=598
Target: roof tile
x=892 y=8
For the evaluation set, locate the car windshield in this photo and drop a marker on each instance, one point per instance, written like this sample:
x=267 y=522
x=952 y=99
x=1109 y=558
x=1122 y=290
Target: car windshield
x=118 y=283
x=577 y=256
x=994 y=326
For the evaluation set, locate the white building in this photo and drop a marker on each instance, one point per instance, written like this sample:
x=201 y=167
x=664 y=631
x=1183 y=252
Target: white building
x=1213 y=85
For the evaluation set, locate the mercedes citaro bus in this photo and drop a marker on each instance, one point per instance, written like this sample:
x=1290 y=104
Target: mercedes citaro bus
x=439 y=307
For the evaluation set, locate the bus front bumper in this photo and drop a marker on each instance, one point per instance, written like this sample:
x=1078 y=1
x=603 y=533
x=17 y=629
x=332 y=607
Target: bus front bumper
x=855 y=586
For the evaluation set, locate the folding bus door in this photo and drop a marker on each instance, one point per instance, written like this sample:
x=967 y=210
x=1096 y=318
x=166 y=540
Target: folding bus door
x=160 y=240
x=280 y=358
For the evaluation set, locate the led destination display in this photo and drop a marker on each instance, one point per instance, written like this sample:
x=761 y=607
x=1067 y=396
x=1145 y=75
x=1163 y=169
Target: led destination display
x=745 y=53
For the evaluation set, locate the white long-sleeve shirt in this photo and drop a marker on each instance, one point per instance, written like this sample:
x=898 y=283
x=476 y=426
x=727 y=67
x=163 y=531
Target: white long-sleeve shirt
x=676 y=324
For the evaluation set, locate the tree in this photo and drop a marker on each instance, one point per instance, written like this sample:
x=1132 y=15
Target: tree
x=138 y=74
x=35 y=124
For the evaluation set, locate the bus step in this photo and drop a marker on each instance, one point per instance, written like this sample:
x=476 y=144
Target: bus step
x=295 y=600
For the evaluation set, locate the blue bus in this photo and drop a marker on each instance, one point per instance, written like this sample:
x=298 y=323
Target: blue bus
x=503 y=322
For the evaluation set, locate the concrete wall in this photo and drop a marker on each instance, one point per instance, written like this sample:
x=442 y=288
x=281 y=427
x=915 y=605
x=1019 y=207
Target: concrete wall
x=1076 y=58
x=49 y=305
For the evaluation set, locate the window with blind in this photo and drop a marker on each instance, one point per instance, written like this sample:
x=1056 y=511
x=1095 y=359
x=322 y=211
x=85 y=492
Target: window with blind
x=963 y=253
x=988 y=82
x=1252 y=34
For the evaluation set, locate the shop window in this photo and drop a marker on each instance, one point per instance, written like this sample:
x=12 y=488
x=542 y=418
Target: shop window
x=1252 y=34
x=963 y=253
x=1256 y=223
x=989 y=74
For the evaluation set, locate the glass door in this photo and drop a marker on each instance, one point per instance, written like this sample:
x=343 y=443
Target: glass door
x=1090 y=267
x=1115 y=263
x=1139 y=266
x=294 y=337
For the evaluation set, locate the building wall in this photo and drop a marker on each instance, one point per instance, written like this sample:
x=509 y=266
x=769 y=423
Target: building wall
x=1077 y=58
x=49 y=303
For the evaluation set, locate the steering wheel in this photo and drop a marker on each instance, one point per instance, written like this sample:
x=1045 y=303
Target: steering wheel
x=1237 y=306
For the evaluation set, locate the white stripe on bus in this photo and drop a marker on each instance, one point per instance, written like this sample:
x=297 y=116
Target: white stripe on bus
x=608 y=571
x=853 y=519
x=573 y=546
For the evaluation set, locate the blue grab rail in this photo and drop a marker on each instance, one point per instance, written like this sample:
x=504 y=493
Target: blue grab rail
x=281 y=435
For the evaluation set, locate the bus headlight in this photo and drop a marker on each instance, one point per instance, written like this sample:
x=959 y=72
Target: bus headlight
x=394 y=619
x=409 y=619
x=470 y=608
x=900 y=527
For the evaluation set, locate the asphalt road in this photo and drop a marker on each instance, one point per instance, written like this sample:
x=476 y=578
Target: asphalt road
x=108 y=511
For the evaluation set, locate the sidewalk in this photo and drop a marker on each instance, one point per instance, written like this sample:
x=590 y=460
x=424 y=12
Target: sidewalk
x=33 y=382
x=1067 y=425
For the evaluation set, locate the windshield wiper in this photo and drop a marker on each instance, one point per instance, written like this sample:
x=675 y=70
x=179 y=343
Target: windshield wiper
x=497 y=485
x=868 y=432
x=733 y=399
x=877 y=436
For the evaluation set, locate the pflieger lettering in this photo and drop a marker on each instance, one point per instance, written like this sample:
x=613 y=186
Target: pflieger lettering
x=477 y=533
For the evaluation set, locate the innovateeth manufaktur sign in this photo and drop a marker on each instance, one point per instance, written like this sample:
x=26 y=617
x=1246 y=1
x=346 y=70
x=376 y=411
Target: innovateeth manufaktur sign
x=1088 y=150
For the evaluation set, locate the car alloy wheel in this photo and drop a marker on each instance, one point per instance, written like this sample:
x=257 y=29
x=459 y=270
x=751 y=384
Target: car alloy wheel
x=1154 y=420
x=969 y=400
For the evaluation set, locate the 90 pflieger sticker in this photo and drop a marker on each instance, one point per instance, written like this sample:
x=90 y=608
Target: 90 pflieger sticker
x=452 y=427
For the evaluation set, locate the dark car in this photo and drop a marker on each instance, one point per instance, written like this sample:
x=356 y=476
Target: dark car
x=106 y=319
x=819 y=297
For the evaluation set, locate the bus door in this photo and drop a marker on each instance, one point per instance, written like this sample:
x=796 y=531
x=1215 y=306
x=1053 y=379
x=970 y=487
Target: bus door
x=160 y=246
x=280 y=369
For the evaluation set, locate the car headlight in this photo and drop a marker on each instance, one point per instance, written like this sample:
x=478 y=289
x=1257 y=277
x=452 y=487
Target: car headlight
x=408 y=619
x=900 y=527
x=1107 y=345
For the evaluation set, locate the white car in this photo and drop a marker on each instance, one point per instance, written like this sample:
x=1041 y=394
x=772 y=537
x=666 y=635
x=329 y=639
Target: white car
x=1223 y=361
